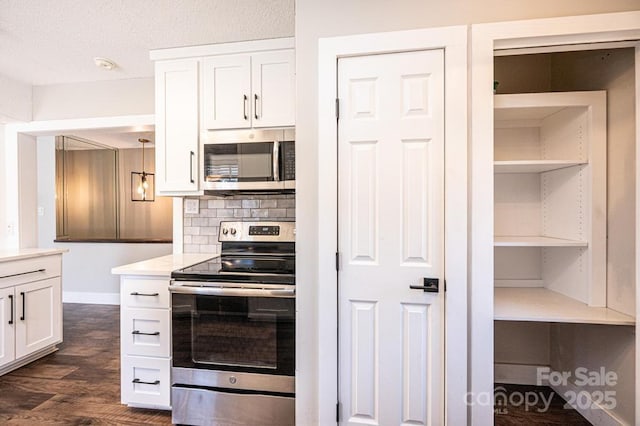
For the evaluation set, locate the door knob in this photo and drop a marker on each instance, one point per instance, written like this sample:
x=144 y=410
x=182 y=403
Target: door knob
x=430 y=285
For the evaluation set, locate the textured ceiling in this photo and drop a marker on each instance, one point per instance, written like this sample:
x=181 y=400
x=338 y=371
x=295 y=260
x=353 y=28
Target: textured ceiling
x=54 y=41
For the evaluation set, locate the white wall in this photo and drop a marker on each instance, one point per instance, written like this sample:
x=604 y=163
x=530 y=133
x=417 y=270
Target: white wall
x=316 y=19
x=15 y=105
x=93 y=99
x=15 y=100
x=3 y=178
x=594 y=347
x=86 y=268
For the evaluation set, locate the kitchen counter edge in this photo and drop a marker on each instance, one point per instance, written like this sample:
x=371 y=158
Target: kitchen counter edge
x=162 y=265
x=27 y=253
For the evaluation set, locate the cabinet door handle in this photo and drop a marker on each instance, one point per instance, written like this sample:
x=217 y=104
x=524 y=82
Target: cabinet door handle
x=155 y=333
x=135 y=293
x=255 y=105
x=192 y=154
x=245 y=107
x=23 y=306
x=155 y=383
x=23 y=273
x=11 y=303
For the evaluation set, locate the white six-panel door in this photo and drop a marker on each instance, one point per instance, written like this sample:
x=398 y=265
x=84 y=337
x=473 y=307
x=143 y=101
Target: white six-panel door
x=390 y=237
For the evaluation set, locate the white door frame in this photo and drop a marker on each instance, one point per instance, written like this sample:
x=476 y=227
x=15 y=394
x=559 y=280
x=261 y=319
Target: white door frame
x=454 y=42
x=611 y=27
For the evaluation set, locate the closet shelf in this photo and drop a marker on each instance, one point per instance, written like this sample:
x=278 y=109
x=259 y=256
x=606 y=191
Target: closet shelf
x=533 y=166
x=535 y=241
x=543 y=305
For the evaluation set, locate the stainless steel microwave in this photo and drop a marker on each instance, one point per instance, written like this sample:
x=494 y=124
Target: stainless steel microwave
x=249 y=160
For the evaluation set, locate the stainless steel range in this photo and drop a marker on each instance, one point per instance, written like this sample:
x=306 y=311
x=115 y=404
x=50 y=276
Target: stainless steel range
x=233 y=329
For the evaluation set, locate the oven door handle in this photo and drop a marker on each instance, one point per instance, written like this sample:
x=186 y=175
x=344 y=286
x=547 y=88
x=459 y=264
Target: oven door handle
x=232 y=291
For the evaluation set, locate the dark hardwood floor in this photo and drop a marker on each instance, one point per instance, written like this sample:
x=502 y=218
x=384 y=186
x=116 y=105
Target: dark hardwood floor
x=511 y=408
x=79 y=384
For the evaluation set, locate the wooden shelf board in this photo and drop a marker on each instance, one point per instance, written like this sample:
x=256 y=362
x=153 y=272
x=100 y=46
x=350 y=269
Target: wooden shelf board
x=543 y=305
x=533 y=166
x=535 y=241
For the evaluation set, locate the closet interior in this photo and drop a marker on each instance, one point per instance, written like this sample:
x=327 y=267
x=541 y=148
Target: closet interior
x=564 y=223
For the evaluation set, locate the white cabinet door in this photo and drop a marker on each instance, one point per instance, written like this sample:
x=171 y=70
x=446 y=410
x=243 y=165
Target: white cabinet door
x=227 y=92
x=8 y=317
x=243 y=91
x=177 y=127
x=273 y=84
x=391 y=237
x=39 y=315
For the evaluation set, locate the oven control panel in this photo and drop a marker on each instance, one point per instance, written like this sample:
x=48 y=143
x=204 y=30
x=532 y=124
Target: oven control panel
x=264 y=230
x=257 y=231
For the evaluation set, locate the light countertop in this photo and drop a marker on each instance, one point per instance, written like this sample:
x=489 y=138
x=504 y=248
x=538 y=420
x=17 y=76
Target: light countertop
x=163 y=265
x=7 y=255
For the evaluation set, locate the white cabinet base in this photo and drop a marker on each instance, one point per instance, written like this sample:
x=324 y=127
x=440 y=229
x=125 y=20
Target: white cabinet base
x=27 y=359
x=145 y=341
x=30 y=309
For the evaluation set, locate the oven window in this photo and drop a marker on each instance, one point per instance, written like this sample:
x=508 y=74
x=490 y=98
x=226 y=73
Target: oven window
x=253 y=334
x=235 y=331
x=238 y=162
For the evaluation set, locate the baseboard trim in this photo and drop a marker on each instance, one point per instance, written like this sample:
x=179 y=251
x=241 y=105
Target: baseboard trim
x=91 y=298
x=27 y=359
x=588 y=408
x=517 y=374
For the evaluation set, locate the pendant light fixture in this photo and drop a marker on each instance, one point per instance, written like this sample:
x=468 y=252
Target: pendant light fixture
x=142 y=183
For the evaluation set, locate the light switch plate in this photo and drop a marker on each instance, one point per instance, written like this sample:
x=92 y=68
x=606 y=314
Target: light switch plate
x=191 y=205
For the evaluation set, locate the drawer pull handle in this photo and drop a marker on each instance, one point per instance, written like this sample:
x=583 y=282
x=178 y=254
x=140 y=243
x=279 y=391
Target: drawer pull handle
x=155 y=333
x=11 y=303
x=23 y=273
x=24 y=314
x=155 y=383
x=135 y=293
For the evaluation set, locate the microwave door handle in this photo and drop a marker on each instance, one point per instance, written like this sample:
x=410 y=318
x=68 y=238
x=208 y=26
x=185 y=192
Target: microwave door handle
x=276 y=161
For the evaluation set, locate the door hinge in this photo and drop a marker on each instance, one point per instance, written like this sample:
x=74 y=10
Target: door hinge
x=337 y=412
x=337 y=108
x=337 y=261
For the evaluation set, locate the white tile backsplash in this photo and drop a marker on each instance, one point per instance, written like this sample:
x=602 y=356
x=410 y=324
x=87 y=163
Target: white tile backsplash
x=201 y=229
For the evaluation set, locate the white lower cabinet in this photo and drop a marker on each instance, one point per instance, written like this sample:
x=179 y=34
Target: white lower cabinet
x=145 y=335
x=30 y=308
x=39 y=323
x=7 y=330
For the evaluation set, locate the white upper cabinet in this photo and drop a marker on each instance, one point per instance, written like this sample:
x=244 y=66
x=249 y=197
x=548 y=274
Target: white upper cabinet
x=249 y=90
x=177 y=127
x=210 y=87
x=273 y=83
x=226 y=89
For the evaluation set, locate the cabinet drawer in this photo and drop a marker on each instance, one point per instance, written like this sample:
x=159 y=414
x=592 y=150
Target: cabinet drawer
x=145 y=381
x=146 y=332
x=28 y=270
x=145 y=293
